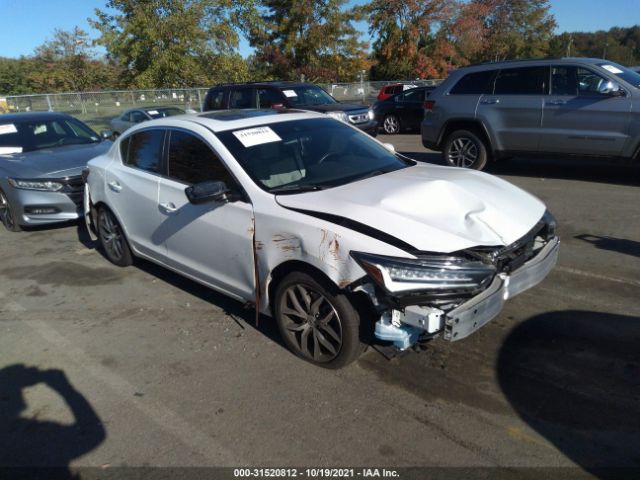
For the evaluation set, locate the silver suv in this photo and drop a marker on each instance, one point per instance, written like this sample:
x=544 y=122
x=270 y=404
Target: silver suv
x=567 y=106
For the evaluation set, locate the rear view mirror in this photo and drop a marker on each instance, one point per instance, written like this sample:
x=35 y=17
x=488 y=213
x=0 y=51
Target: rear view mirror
x=106 y=134
x=208 y=191
x=389 y=147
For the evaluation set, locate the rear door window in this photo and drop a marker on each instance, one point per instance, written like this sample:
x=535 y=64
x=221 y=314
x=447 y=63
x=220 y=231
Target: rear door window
x=520 y=81
x=137 y=117
x=143 y=150
x=268 y=97
x=214 y=100
x=475 y=83
x=191 y=160
x=242 y=98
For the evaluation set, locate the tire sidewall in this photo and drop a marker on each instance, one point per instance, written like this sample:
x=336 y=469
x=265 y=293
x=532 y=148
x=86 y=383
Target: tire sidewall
x=483 y=156
x=351 y=347
x=15 y=227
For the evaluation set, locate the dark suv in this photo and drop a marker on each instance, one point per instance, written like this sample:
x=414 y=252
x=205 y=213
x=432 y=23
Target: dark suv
x=305 y=96
x=567 y=106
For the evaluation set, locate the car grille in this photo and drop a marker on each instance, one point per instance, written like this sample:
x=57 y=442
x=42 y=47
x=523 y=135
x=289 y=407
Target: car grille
x=359 y=116
x=509 y=258
x=74 y=189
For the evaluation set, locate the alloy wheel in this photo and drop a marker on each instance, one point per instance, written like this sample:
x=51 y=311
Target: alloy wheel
x=311 y=322
x=391 y=124
x=111 y=235
x=463 y=152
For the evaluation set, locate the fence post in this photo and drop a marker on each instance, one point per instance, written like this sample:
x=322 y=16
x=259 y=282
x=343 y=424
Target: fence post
x=200 y=99
x=49 y=103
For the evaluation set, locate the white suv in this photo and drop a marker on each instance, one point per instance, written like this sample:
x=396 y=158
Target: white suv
x=320 y=226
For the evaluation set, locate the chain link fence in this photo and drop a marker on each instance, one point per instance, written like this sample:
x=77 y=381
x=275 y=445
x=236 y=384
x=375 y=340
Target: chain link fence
x=98 y=108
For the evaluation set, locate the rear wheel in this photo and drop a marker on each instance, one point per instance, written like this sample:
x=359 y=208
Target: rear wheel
x=112 y=239
x=464 y=148
x=7 y=217
x=391 y=124
x=316 y=322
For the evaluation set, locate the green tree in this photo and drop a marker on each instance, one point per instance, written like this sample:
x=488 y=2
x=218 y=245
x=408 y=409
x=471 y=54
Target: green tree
x=173 y=43
x=315 y=38
x=516 y=29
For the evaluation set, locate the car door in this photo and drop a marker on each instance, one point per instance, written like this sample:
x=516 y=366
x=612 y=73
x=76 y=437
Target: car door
x=210 y=242
x=121 y=123
x=132 y=189
x=578 y=119
x=514 y=109
x=409 y=107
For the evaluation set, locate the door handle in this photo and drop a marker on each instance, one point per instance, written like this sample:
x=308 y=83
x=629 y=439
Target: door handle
x=115 y=186
x=490 y=101
x=168 y=207
x=556 y=102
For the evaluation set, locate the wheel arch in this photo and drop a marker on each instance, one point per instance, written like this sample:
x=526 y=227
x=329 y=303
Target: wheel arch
x=473 y=125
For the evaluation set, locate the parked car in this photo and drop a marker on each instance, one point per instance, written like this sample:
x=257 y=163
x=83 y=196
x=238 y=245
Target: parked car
x=320 y=226
x=41 y=160
x=568 y=106
x=136 y=115
x=393 y=89
x=278 y=95
x=403 y=111
x=636 y=68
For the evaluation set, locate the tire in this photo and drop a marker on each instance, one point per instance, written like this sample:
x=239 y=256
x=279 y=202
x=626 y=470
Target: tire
x=7 y=216
x=391 y=124
x=316 y=322
x=465 y=149
x=112 y=239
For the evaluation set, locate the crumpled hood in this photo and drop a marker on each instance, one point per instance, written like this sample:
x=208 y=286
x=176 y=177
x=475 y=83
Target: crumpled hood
x=432 y=208
x=51 y=162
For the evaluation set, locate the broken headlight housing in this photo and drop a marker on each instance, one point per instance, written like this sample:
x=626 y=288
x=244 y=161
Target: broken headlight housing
x=435 y=273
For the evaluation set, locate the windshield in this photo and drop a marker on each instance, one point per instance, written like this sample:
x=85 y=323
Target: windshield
x=164 y=112
x=308 y=95
x=313 y=154
x=29 y=135
x=624 y=73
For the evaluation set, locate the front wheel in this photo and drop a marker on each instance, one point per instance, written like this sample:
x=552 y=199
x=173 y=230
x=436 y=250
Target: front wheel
x=317 y=324
x=7 y=217
x=112 y=239
x=391 y=124
x=465 y=149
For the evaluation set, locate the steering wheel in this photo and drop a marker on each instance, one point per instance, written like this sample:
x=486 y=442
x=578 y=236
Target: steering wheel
x=325 y=156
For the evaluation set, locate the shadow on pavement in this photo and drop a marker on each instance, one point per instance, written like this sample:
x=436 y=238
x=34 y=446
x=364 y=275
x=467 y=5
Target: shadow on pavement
x=30 y=442
x=619 y=245
x=574 y=376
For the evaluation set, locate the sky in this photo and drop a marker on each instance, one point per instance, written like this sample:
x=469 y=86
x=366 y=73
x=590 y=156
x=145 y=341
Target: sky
x=25 y=24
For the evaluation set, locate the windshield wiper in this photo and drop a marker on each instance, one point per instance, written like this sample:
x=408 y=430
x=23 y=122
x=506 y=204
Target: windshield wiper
x=375 y=173
x=296 y=189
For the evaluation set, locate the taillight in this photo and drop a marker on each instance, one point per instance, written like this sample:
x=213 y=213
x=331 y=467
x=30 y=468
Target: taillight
x=429 y=104
x=85 y=174
x=277 y=106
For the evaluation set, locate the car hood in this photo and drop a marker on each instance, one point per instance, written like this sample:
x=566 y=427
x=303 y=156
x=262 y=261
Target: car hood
x=333 y=107
x=432 y=208
x=51 y=162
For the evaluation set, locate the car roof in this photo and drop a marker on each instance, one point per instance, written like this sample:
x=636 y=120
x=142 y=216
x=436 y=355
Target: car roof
x=32 y=117
x=221 y=120
x=274 y=83
x=531 y=62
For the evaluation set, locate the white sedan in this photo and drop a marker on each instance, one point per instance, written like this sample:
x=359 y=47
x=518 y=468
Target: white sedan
x=322 y=227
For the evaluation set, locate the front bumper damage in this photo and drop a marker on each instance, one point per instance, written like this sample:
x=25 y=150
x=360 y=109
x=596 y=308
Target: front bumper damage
x=407 y=326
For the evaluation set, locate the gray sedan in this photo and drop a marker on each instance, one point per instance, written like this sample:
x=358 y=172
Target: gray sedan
x=137 y=115
x=42 y=156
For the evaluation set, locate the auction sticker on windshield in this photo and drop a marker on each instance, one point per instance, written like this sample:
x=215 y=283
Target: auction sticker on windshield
x=290 y=93
x=256 y=136
x=612 y=69
x=8 y=128
x=9 y=150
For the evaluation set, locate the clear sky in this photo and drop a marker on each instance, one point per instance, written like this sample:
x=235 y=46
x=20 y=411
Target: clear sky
x=25 y=24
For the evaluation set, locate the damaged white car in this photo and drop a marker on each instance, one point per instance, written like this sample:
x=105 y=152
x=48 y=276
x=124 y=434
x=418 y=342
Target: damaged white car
x=320 y=226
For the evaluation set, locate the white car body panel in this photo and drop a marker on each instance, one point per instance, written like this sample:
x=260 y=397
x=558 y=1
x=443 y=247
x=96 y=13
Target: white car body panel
x=235 y=247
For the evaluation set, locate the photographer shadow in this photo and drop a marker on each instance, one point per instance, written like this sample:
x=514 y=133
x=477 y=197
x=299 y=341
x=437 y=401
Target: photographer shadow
x=43 y=444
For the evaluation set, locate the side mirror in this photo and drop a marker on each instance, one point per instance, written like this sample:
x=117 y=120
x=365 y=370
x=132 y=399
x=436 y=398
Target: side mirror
x=610 y=88
x=208 y=191
x=389 y=147
x=106 y=134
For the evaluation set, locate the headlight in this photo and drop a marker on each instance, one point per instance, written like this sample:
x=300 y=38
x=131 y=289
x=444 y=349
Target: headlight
x=339 y=116
x=437 y=273
x=371 y=114
x=40 y=185
x=550 y=222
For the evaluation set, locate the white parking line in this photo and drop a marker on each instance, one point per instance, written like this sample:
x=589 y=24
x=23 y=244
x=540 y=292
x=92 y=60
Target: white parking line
x=607 y=278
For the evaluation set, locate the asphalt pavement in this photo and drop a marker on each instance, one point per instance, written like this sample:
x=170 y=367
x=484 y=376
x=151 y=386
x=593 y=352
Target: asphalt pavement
x=105 y=367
